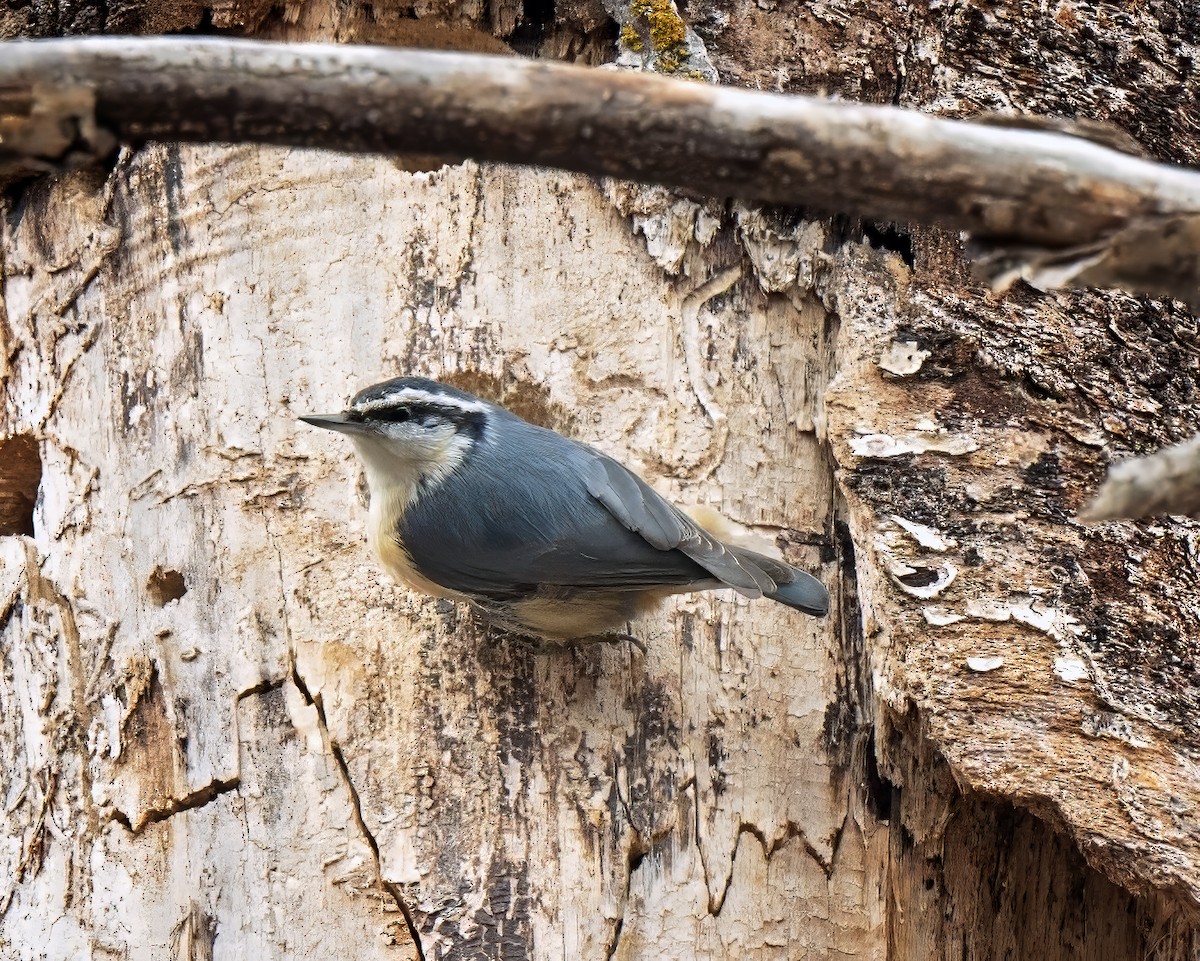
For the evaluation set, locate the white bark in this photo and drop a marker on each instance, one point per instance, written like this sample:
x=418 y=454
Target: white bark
x=173 y=777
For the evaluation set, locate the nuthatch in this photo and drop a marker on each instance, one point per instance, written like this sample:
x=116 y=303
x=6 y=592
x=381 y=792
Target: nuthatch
x=547 y=536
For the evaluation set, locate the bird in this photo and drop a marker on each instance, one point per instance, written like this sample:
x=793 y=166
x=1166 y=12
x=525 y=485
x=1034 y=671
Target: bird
x=549 y=538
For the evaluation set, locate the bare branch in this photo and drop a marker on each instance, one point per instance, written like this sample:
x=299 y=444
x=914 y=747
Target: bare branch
x=1166 y=482
x=1055 y=208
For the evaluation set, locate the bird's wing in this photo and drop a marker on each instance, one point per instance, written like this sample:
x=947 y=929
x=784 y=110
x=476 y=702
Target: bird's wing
x=539 y=526
x=639 y=508
x=568 y=516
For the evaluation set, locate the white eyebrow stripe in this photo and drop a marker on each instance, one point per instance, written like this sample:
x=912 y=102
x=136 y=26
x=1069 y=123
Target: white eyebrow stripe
x=418 y=396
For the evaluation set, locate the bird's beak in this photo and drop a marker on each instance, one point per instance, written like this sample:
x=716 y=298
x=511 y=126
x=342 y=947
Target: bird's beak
x=339 y=422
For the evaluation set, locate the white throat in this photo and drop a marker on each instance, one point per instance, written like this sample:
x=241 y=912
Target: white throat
x=396 y=476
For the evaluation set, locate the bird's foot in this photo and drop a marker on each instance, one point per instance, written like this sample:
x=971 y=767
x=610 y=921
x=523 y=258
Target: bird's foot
x=615 y=638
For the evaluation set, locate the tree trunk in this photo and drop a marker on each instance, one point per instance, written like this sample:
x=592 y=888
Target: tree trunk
x=225 y=733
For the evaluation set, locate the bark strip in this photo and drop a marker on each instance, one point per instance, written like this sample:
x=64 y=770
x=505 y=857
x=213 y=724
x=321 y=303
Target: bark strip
x=1054 y=208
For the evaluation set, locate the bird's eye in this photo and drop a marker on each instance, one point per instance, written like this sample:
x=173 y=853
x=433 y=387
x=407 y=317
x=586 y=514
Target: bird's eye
x=393 y=415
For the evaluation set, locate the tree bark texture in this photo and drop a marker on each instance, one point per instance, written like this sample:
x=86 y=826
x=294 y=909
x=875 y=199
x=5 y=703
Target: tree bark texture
x=226 y=734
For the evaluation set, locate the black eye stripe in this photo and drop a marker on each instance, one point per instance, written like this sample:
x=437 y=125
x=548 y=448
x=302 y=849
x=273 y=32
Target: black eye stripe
x=393 y=415
x=427 y=415
x=401 y=413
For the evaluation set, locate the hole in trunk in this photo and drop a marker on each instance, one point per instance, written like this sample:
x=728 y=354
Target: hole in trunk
x=537 y=19
x=165 y=586
x=20 y=478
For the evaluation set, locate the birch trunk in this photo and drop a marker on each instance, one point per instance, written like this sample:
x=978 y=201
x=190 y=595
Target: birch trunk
x=226 y=734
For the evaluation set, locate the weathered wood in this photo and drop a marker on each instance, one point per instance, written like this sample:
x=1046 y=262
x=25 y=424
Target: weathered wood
x=568 y=804
x=1052 y=661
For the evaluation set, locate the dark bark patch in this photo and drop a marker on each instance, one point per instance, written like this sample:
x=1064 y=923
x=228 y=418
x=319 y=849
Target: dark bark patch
x=717 y=758
x=890 y=237
x=537 y=18
x=649 y=751
x=20 y=480
x=165 y=585
x=499 y=930
x=524 y=398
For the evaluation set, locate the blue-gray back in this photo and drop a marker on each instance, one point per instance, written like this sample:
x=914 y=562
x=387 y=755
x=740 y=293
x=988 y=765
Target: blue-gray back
x=541 y=512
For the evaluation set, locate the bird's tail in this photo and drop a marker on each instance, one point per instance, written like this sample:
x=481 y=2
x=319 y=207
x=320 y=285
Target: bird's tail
x=793 y=587
x=804 y=593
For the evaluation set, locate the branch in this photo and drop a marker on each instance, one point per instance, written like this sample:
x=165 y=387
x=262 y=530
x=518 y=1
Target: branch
x=1051 y=207
x=1165 y=482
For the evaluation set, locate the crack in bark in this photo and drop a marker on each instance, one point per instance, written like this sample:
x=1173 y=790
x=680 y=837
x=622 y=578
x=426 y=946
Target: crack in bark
x=634 y=858
x=610 y=949
x=792 y=832
x=314 y=701
x=194 y=800
x=614 y=940
x=392 y=890
x=189 y=802
x=262 y=687
x=638 y=849
x=712 y=910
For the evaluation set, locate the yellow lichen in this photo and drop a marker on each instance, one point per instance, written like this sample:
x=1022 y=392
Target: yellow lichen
x=631 y=38
x=668 y=33
x=668 y=61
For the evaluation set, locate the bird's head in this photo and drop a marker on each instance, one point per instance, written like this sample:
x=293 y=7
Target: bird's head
x=410 y=431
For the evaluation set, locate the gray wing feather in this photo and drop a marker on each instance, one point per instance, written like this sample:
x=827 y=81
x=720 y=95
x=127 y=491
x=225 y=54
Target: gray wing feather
x=636 y=505
x=523 y=517
x=624 y=496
